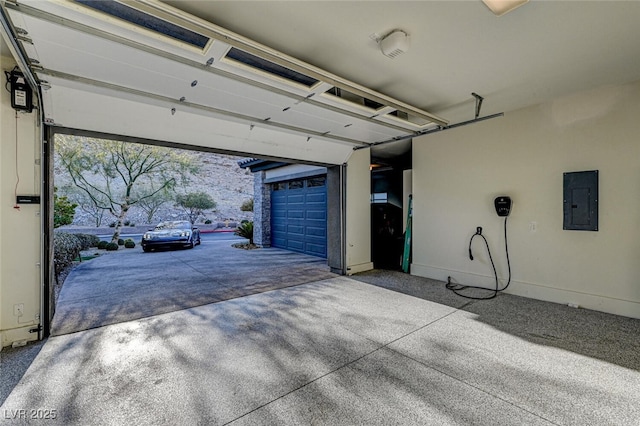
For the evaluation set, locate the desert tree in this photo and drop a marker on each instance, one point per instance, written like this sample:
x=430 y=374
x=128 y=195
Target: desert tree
x=194 y=204
x=115 y=173
x=151 y=205
x=91 y=206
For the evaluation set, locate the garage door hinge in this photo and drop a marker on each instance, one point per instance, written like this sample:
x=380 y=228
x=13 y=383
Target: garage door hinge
x=36 y=330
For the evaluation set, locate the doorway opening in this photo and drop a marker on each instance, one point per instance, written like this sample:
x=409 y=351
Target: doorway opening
x=130 y=282
x=390 y=189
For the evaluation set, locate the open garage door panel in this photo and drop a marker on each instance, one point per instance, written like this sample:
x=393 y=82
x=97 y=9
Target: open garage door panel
x=229 y=93
x=111 y=114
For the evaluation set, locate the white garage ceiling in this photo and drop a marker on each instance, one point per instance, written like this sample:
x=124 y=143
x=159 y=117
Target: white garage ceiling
x=538 y=52
x=541 y=50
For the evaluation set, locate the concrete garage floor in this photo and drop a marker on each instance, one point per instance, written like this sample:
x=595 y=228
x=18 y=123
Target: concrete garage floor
x=341 y=351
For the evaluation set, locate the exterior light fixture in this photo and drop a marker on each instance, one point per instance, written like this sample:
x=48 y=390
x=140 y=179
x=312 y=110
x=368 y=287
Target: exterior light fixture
x=500 y=7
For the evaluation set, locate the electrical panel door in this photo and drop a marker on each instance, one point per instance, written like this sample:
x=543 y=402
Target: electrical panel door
x=581 y=201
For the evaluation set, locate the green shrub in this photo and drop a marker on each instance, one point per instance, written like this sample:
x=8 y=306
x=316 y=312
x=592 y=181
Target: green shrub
x=102 y=245
x=66 y=247
x=63 y=210
x=88 y=240
x=247 y=205
x=120 y=242
x=129 y=244
x=207 y=222
x=126 y=223
x=245 y=230
x=132 y=225
x=112 y=247
x=112 y=225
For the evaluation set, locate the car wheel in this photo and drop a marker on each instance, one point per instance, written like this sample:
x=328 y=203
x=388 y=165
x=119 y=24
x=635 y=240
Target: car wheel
x=146 y=249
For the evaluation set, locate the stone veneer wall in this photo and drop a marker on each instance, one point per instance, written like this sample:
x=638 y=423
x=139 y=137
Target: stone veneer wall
x=261 y=210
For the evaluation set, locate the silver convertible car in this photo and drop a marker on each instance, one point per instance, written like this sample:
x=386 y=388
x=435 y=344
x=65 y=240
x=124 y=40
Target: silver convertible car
x=175 y=233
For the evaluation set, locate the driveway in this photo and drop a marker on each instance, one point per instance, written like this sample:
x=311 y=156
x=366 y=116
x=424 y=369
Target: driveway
x=129 y=284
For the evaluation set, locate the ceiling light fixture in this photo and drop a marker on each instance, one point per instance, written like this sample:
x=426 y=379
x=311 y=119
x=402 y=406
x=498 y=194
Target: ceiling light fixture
x=394 y=44
x=500 y=7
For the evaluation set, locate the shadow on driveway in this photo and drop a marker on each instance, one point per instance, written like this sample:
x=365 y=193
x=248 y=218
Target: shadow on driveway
x=129 y=284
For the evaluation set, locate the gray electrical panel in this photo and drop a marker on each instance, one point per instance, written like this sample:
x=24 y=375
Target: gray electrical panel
x=581 y=201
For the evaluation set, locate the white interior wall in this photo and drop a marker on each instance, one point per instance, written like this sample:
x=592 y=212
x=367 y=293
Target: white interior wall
x=358 y=212
x=20 y=236
x=458 y=173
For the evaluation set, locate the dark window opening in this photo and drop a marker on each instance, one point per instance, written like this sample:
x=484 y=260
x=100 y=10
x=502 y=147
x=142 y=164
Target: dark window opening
x=279 y=186
x=142 y=19
x=352 y=97
x=296 y=184
x=270 y=67
x=315 y=182
x=409 y=117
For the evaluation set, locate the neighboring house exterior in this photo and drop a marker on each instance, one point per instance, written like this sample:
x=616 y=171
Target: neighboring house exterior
x=290 y=206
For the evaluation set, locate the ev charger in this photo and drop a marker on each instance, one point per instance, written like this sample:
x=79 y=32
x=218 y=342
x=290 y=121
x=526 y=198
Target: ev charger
x=502 y=205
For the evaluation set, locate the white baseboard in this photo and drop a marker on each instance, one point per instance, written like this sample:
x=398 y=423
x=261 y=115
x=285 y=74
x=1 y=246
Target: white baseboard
x=8 y=337
x=354 y=269
x=627 y=308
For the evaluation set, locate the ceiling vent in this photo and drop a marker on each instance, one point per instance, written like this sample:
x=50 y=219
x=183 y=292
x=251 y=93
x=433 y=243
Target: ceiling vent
x=394 y=44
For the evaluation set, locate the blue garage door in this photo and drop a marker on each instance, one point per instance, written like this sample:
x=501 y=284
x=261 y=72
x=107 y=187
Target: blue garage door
x=299 y=215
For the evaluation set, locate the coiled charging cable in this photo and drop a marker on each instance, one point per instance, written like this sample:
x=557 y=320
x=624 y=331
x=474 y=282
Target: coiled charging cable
x=457 y=288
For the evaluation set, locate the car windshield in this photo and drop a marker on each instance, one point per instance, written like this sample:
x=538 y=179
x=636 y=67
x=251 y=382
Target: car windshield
x=173 y=225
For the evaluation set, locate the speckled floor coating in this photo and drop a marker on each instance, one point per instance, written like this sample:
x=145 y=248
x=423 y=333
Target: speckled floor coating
x=13 y=363
x=340 y=351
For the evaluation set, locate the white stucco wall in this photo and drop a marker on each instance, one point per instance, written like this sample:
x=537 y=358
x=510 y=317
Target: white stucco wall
x=458 y=173
x=292 y=170
x=20 y=238
x=358 y=212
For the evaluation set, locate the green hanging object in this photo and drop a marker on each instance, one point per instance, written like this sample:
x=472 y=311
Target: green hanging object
x=406 y=256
